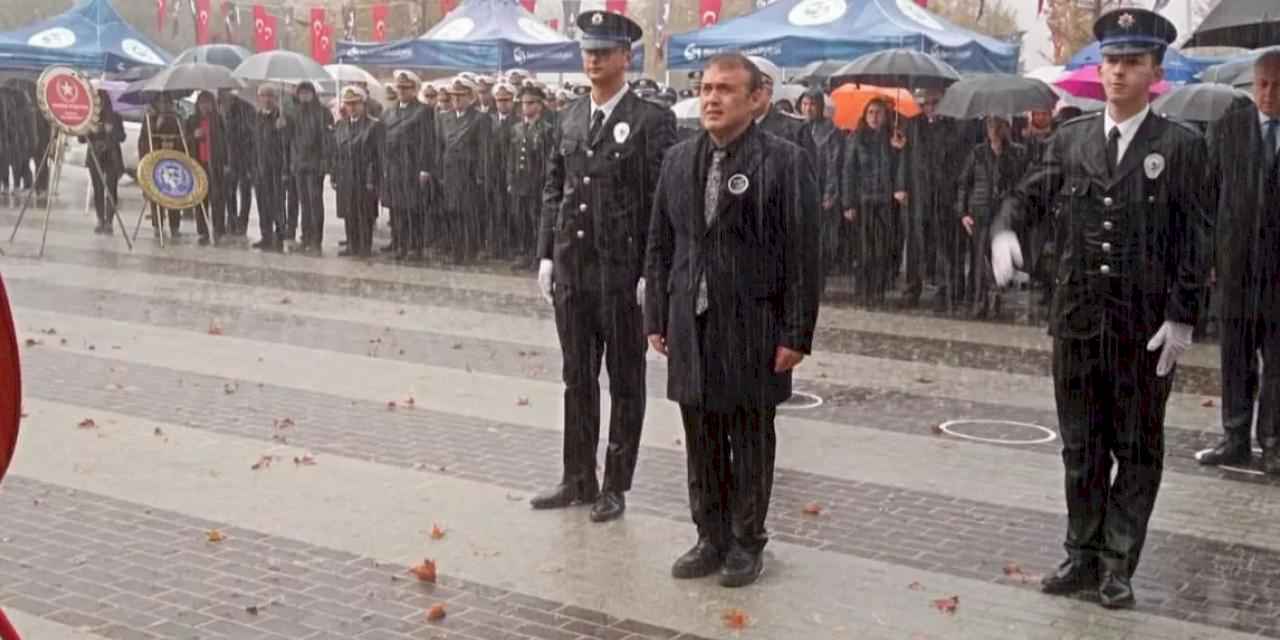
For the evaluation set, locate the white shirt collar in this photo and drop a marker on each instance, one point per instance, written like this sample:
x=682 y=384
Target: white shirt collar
x=1264 y=119
x=1128 y=129
x=608 y=106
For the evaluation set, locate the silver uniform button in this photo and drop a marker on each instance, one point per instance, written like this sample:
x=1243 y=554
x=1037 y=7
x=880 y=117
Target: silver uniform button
x=581 y=234
x=586 y=179
x=1108 y=201
x=590 y=153
x=1104 y=269
x=1106 y=246
x=1107 y=225
x=582 y=207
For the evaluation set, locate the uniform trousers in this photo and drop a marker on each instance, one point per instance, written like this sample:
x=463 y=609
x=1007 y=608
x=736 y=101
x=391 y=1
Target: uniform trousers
x=237 y=183
x=407 y=228
x=525 y=210
x=1242 y=342
x=311 y=203
x=359 y=220
x=593 y=324
x=270 y=197
x=1111 y=405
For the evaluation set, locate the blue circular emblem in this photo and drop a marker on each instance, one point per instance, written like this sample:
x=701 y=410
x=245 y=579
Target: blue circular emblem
x=173 y=179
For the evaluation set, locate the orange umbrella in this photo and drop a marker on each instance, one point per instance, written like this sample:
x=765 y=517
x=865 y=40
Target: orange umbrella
x=851 y=100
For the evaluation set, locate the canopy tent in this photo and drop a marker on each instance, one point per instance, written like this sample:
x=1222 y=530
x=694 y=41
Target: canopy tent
x=793 y=33
x=490 y=35
x=92 y=37
x=1178 y=67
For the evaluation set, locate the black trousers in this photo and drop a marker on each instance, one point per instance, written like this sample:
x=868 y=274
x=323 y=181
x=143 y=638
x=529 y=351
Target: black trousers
x=359 y=221
x=1111 y=406
x=462 y=231
x=292 y=202
x=311 y=204
x=730 y=457
x=525 y=210
x=407 y=228
x=592 y=324
x=1242 y=341
x=270 y=196
x=158 y=214
x=101 y=188
x=877 y=259
x=213 y=207
x=980 y=280
x=237 y=193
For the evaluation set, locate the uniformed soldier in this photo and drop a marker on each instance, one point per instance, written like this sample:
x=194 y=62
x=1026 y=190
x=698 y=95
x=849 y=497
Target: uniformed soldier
x=600 y=183
x=408 y=163
x=427 y=96
x=484 y=94
x=531 y=140
x=1132 y=229
x=498 y=225
x=358 y=140
x=785 y=126
x=462 y=140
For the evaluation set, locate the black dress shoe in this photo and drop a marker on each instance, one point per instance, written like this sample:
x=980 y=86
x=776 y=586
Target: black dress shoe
x=701 y=561
x=1115 y=591
x=1071 y=576
x=1229 y=451
x=608 y=507
x=563 y=495
x=1271 y=461
x=741 y=568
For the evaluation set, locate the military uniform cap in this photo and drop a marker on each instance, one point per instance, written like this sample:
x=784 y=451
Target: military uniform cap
x=533 y=92
x=406 y=78
x=462 y=85
x=769 y=69
x=1133 y=31
x=484 y=81
x=503 y=87
x=353 y=94
x=607 y=30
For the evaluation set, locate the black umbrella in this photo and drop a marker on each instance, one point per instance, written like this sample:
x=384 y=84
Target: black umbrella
x=897 y=68
x=815 y=73
x=996 y=95
x=1237 y=72
x=1200 y=102
x=180 y=79
x=1251 y=24
x=223 y=55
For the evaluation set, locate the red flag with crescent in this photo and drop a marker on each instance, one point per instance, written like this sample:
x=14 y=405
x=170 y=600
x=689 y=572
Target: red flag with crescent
x=204 y=11
x=529 y=5
x=616 y=6
x=264 y=29
x=709 y=10
x=321 y=40
x=380 y=12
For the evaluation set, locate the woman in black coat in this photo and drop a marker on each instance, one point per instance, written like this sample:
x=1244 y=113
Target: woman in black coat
x=357 y=172
x=991 y=171
x=206 y=130
x=105 y=161
x=871 y=174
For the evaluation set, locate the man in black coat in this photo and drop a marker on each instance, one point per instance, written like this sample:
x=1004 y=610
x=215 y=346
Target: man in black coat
x=498 y=223
x=408 y=162
x=591 y=244
x=932 y=156
x=237 y=116
x=311 y=126
x=270 y=168
x=1244 y=151
x=357 y=171
x=531 y=140
x=734 y=270
x=828 y=145
x=462 y=159
x=1133 y=230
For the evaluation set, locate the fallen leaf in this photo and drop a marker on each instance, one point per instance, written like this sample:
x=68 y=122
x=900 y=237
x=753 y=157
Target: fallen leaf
x=283 y=423
x=285 y=300
x=1207 y=403
x=31 y=342
x=306 y=460
x=436 y=532
x=159 y=432
x=251 y=609
x=947 y=605
x=391 y=405
x=924 y=380
x=49 y=332
x=410 y=402
x=436 y=613
x=425 y=572
x=215 y=536
x=400 y=312
x=457 y=346
x=215 y=329
x=230 y=388
x=63 y=342
x=262 y=463
x=88 y=423
x=522 y=402
x=813 y=509
x=1013 y=571
x=937 y=430
x=735 y=619
x=915 y=586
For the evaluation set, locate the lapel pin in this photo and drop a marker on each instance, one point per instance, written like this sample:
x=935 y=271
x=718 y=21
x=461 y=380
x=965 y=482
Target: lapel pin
x=738 y=184
x=620 y=132
x=1153 y=165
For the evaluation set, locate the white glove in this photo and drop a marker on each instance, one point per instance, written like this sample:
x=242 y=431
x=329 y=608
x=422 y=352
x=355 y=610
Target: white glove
x=640 y=292
x=1006 y=254
x=1173 y=338
x=544 y=279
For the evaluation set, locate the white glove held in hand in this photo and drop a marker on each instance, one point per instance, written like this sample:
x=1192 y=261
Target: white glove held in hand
x=544 y=279
x=640 y=292
x=1006 y=254
x=1172 y=339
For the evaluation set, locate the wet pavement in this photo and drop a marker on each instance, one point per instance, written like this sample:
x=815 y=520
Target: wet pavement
x=324 y=415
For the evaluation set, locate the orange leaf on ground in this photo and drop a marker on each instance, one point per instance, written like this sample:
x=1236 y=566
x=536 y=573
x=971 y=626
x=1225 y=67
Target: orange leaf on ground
x=216 y=536
x=410 y=402
x=426 y=571
x=522 y=402
x=391 y=405
x=813 y=509
x=88 y=423
x=262 y=463
x=915 y=586
x=735 y=619
x=436 y=532
x=306 y=460
x=947 y=605
x=215 y=329
x=1207 y=403
x=31 y=342
x=436 y=613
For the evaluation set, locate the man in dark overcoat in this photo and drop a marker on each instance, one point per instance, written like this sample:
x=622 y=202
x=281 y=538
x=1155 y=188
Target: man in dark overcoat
x=270 y=168
x=408 y=163
x=1244 y=151
x=357 y=171
x=591 y=246
x=498 y=221
x=734 y=268
x=310 y=148
x=1133 y=232
x=462 y=144
x=237 y=116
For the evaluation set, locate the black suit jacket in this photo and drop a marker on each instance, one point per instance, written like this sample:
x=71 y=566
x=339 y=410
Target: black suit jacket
x=761 y=261
x=462 y=160
x=1131 y=246
x=408 y=150
x=1247 y=234
x=598 y=193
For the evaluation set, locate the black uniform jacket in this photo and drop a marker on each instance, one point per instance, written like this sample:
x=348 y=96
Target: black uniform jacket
x=409 y=150
x=462 y=159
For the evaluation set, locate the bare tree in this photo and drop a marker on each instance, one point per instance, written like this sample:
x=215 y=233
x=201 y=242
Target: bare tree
x=997 y=20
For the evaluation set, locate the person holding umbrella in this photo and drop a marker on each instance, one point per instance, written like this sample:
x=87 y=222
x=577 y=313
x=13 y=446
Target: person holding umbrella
x=108 y=163
x=237 y=188
x=207 y=132
x=992 y=169
x=871 y=174
x=270 y=169
x=357 y=171
x=1132 y=230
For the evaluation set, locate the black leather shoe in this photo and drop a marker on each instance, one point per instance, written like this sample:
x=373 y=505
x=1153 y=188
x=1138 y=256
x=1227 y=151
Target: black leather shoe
x=1115 y=591
x=563 y=495
x=741 y=568
x=1271 y=461
x=1071 y=576
x=609 y=507
x=701 y=561
x=1229 y=451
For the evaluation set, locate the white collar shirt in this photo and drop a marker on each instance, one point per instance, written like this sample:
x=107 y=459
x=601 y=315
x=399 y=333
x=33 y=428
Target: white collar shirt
x=1128 y=129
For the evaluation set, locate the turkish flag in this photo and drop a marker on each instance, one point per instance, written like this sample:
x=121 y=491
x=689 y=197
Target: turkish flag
x=204 y=11
x=380 y=12
x=616 y=6
x=529 y=5
x=923 y=3
x=448 y=6
x=161 y=8
x=264 y=29
x=710 y=12
x=321 y=46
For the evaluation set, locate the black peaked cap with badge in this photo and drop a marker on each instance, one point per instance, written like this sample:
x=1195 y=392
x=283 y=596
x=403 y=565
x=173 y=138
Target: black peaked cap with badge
x=1133 y=31
x=607 y=30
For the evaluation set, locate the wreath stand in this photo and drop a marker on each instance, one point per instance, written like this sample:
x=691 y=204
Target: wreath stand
x=201 y=211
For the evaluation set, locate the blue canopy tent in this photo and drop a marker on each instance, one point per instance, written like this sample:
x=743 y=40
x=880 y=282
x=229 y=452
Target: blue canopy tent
x=92 y=37
x=1178 y=67
x=793 y=33
x=490 y=35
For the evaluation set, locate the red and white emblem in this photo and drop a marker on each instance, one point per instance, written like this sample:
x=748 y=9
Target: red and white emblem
x=68 y=100
x=1126 y=21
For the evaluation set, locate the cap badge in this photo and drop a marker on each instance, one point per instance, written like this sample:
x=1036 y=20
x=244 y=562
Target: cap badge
x=1126 y=21
x=597 y=19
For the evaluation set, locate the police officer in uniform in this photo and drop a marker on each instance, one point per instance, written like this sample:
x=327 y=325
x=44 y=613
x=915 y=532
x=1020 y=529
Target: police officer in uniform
x=1132 y=229
x=407 y=164
x=499 y=222
x=591 y=243
x=462 y=141
x=526 y=169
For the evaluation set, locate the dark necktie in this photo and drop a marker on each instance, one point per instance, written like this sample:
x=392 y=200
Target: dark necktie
x=711 y=202
x=1113 y=149
x=597 y=123
x=1270 y=138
